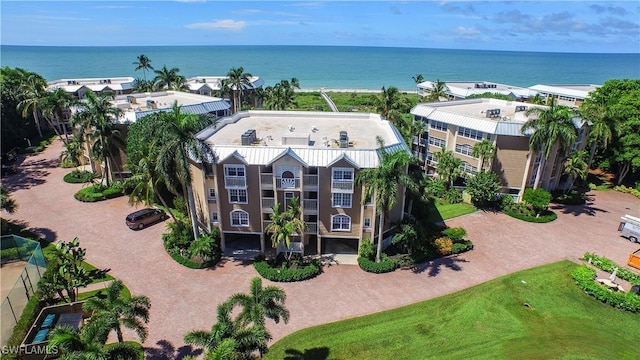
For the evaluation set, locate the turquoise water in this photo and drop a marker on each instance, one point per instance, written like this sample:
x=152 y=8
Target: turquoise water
x=330 y=66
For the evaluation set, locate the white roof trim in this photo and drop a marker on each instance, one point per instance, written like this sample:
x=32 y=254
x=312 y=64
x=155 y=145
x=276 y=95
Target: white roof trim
x=291 y=153
x=236 y=155
x=346 y=158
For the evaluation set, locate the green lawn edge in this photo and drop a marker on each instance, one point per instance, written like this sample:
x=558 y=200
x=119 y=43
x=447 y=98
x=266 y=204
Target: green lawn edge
x=487 y=321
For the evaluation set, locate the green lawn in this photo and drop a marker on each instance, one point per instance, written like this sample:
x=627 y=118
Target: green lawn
x=448 y=211
x=488 y=321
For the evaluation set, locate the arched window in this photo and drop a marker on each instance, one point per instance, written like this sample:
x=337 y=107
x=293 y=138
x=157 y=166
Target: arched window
x=239 y=218
x=341 y=222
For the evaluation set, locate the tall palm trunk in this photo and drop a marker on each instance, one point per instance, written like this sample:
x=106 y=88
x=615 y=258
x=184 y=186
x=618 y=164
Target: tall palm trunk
x=539 y=173
x=592 y=153
x=192 y=211
x=119 y=333
x=36 y=119
x=380 y=237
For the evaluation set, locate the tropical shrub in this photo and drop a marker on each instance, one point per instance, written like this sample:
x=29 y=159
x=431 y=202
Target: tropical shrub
x=455 y=234
x=453 y=196
x=572 y=197
x=179 y=237
x=367 y=249
x=99 y=192
x=280 y=269
x=629 y=190
x=436 y=187
x=79 y=177
x=443 y=245
x=538 y=199
x=386 y=265
x=585 y=279
x=462 y=246
x=545 y=217
x=483 y=188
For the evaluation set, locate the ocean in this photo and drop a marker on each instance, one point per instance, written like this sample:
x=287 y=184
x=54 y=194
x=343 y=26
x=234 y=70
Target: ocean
x=331 y=67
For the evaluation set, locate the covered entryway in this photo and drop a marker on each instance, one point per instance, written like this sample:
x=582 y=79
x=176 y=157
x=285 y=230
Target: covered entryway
x=241 y=246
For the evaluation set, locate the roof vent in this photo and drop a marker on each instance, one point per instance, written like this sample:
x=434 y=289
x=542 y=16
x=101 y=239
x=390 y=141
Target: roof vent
x=493 y=113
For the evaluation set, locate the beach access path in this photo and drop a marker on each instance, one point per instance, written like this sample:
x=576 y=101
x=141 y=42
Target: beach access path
x=183 y=299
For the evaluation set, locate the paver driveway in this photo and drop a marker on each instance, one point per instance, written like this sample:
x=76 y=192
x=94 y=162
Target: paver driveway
x=183 y=299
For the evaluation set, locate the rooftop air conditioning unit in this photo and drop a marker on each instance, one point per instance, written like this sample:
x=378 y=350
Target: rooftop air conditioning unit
x=493 y=113
x=249 y=137
x=343 y=140
x=520 y=108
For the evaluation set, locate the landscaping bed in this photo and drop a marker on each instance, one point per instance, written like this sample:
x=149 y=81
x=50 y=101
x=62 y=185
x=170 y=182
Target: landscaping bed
x=79 y=177
x=545 y=217
x=99 y=192
x=281 y=269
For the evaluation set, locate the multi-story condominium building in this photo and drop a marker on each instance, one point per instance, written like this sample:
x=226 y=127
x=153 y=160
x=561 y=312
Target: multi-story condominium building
x=459 y=125
x=569 y=95
x=264 y=157
x=79 y=87
x=458 y=90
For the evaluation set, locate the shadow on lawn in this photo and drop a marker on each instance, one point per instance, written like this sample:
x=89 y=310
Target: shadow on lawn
x=308 y=354
x=166 y=351
x=434 y=267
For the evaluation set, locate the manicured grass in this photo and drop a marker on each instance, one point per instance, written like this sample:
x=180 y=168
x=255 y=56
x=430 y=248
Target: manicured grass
x=448 y=211
x=488 y=321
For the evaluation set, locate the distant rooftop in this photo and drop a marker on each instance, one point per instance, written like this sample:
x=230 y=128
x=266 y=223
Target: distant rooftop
x=95 y=84
x=314 y=137
x=215 y=82
x=135 y=106
x=463 y=89
x=574 y=91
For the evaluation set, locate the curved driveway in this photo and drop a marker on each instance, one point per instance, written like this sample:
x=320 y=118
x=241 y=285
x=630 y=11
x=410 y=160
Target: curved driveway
x=183 y=299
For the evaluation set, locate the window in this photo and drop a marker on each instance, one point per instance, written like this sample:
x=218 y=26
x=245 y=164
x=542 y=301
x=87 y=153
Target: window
x=430 y=159
x=437 y=142
x=367 y=223
x=468 y=168
x=342 y=174
x=287 y=197
x=234 y=170
x=341 y=200
x=238 y=196
x=340 y=223
x=470 y=133
x=235 y=177
x=212 y=194
x=342 y=180
x=239 y=218
x=214 y=217
x=367 y=201
x=437 y=125
x=464 y=149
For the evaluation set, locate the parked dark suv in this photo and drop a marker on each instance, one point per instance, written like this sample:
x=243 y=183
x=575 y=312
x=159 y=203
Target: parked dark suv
x=141 y=218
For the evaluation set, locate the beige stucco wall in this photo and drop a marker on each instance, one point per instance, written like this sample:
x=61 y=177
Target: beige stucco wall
x=511 y=159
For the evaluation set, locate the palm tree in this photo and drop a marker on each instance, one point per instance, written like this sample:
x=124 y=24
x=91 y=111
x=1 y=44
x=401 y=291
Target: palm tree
x=418 y=79
x=285 y=225
x=602 y=121
x=575 y=167
x=245 y=340
x=537 y=99
x=261 y=303
x=32 y=94
x=238 y=81
x=114 y=311
x=169 y=79
x=55 y=105
x=438 y=91
x=282 y=95
x=550 y=126
x=143 y=63
x=484 y=150
x=178 y=150
x=448 y=167
x=96 y=120
x=74 y=344
x=383 y=183
x=72 y=151
x=388 y=100
x=7 y=203
x=142 y=85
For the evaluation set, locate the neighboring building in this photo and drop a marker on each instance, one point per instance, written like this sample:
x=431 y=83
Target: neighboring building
x=458 y=90
x=138 y=105
x=206 y=85
x=569 y=95
x=459 y=125
x=265 y=157
x=79 y=87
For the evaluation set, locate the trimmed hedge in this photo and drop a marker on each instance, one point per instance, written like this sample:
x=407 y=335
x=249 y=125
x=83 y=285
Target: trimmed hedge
x=547 y=216
x=285 y=274
x=98 y=193
x=79 y=177
x=184 y=261
x=462 y=246
x=607 y=265
x=384 y=266
x=585 y=279
x=628 y=190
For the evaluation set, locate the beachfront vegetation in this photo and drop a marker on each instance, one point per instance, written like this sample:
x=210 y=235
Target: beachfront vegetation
x=281 y=96
x=169 y=79
x=144 y=64
x=537 y=313
x=236 y=84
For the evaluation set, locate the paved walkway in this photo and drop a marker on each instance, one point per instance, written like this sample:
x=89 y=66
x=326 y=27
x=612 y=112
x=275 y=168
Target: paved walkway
x=183 y=299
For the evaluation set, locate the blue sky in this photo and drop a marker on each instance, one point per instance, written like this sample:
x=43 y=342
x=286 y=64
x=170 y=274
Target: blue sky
x=556 y=26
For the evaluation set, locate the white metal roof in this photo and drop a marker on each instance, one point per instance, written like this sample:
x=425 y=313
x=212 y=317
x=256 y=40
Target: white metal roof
x=575 y=91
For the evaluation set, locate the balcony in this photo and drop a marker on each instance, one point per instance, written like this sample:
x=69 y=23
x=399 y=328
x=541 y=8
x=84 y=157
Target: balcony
x=311 y=182
x=267 y=204
x=342 y=186
x=287 y=183
x=312 y=228
x=235 y=182
x=265 y=223
x=266 y=180
x=415 y=139
x=310 y=205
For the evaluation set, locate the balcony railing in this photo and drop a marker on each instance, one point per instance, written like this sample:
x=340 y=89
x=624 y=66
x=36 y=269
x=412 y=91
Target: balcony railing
x=268 y=202
x=287 y=183
x=238 y=182
x=265 y=223
x=312 y=228
x=342 y=185
x=310 y=204
x=266 y=180
x=311 y=180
